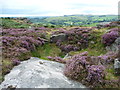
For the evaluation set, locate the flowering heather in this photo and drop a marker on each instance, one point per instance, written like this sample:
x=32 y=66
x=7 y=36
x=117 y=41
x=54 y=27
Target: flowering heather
x=112 y=24
x=77 y=39
x=110 y=37
x=76 y=67
x=17 y=44
x=16 y=62
x=41 y=28
x=96 y=74
x=108 y=58
x=18 y=41
x=68 y=48
x=115 y=29
x=84 y=68
x=58 y=43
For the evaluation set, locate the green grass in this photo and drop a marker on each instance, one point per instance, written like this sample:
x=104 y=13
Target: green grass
x=90 y=25
x=111 y=74
x=48 y=49
x=10 y=23
x=91 y=52
x=6 y=65
x=96 y=48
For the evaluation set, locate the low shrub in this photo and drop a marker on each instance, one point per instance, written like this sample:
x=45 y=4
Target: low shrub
x=96 y=74
x=76 y=67
x=90 y=70
x=110 y=37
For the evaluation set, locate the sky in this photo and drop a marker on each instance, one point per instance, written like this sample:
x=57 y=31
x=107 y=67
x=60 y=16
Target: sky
x=57 y=7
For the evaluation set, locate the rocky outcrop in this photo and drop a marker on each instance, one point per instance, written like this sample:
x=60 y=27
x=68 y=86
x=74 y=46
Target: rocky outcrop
x=101 y=25
x=38 y=73
x=61 y=37
x=114 y=46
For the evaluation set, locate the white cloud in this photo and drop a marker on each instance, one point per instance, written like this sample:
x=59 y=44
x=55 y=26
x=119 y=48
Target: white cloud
x=60 y=7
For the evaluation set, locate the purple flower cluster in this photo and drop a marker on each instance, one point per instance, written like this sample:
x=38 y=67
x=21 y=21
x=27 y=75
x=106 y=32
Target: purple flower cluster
x=68 y=48
x=16 y=62
x=110 y=37
x=96 y=73
x=77 y=38
x=16 y=42
x=81 y=67
x=111 y=25
x=41 y=28
x=76 y=67
x=108 y=58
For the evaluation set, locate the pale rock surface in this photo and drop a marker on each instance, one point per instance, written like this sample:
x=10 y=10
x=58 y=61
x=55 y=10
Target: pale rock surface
x=38 y=73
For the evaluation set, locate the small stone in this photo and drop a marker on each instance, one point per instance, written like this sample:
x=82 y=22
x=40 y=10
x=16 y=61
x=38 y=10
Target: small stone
x=40 y=62
x=92 y=42
x=13 y=87
x=117 y=67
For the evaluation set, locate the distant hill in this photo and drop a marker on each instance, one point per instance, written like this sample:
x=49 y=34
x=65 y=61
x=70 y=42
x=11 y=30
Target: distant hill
x=56 y=21
x=67 y=20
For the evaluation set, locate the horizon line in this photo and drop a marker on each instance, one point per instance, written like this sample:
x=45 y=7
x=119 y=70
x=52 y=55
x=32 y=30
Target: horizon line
x=10 y=15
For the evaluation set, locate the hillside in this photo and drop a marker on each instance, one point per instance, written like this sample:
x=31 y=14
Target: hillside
x=88 y=53
x=78 y=20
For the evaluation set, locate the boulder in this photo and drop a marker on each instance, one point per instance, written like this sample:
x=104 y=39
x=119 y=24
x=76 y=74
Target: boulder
x=38 y=73
x=61 y=37
x=114 y=47
x=101 y=25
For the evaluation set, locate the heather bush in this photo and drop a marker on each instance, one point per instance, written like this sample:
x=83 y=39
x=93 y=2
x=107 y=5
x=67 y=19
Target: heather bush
x=83 y=67
x=76 y=67
x=59 y=43
x=114 y=24
x=108 y=58
x=91 y=70
x=77 y=39
x=110 y=37
x=18 y=43
x=68 y=48
x=96 y=74
x=16 y=62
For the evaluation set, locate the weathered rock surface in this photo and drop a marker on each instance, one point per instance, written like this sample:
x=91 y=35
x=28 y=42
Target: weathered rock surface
x=38 y=73
x=117 y=66
x=100 y=25
x=114 y=46
x=61 y=37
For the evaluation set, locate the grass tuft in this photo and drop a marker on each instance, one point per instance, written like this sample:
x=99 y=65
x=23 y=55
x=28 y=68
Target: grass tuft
x=49 y=49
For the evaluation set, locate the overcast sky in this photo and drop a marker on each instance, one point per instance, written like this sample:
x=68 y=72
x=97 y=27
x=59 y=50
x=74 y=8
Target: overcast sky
x=57 y=7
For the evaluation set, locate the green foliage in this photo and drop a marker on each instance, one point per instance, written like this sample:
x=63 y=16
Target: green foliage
x=95 y=47
x=6 y=65
x=24 y=56
x=47 y=50
x=110 y=74
x=10 y=23
x=74 y=20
